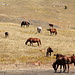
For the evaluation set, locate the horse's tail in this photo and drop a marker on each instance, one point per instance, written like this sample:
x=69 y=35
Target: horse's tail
x=56 y=33
x=22 y=23
x=40 y=42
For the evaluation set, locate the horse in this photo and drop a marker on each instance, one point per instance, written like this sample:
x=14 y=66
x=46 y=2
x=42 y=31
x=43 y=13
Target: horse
x=39 y=29
x=70 y=60
x=49 y=50
x=6 y=34
x=65 y=61
x=60 y=61
x=51 y=25
x=25 y=23
x=33 y=40
x=53 y=31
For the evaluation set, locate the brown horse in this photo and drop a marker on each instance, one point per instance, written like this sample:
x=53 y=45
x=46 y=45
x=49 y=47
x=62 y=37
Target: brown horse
x=70 y=60
x=73 y=60
x=60 y=61
x=49 y=50
x=63 y=61
x=33 y=40
x=25 y=23
x=54 y=31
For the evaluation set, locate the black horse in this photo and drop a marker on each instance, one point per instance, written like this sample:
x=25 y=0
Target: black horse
x=25 y=23
x=6 y=34
x=49 y=50
x=51 y=25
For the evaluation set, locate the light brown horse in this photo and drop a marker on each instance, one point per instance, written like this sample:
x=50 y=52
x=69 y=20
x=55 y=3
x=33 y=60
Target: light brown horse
x=33 y=40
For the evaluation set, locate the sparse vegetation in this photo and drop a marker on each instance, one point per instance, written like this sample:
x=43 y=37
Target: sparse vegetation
x=13 y=48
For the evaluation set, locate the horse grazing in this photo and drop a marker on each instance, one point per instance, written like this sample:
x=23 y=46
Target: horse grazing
x=60 y=61
x=51 y=25
x=25 y=23
x=49 y=50
x=63 y=61
x=39 y=29
x=53 y=31
x=33 y=40
x=6 y=34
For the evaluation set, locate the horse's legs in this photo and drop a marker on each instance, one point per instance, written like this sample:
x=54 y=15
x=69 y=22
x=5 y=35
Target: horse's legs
x=27 y=25
x=50 y=53
x=38 y=43
x=64 y=68
x=30 y=42
x=47 y=54
x=68 y=68
x=57 y=68
x=55 y=33
x=21 y=25
x=50 y=33
x=60 y=68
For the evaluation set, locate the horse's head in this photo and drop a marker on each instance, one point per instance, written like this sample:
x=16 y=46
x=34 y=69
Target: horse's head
x=49 y=49
x=26 y=42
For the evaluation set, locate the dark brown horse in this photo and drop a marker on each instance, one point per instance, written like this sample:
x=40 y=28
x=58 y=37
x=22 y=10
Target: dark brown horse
x=60 y=61
x=51 y=25
x=6 y=34
x=54 y=31
x=70 y=60
x=63 y=61
x=25 y=23
x=33 y=40
x=49 y=50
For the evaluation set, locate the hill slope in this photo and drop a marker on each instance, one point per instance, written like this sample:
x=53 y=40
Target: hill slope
x=13 y=48
x=49 y=11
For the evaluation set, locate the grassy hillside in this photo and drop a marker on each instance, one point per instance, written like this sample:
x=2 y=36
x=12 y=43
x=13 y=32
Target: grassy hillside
x=14 y=50
x=49 y=11
x=38 y=13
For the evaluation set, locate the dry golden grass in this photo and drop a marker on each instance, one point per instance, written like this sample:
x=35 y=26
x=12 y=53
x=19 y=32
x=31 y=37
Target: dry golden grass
x=14 y=50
